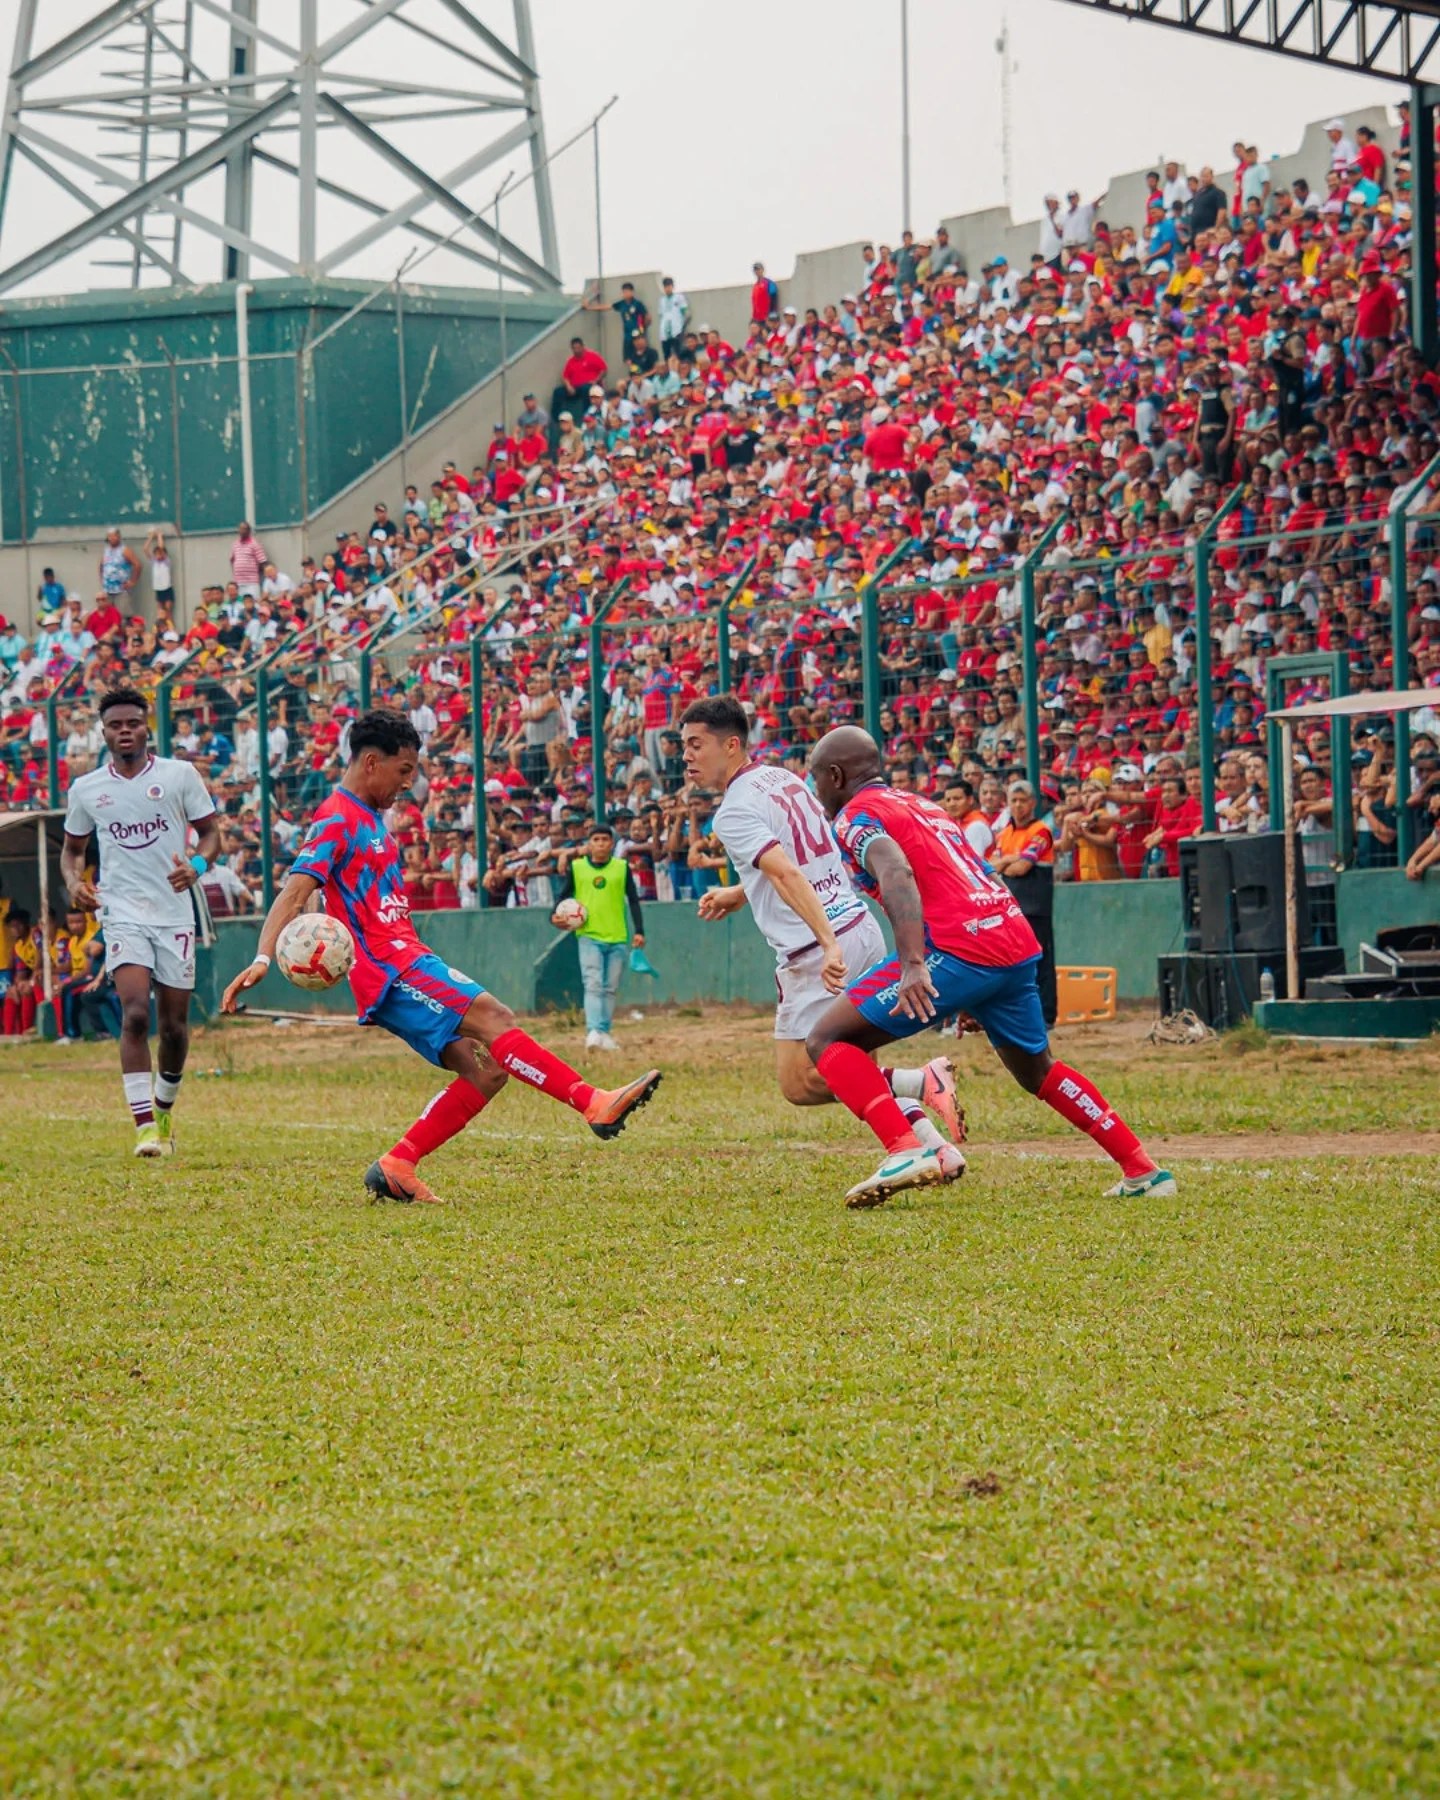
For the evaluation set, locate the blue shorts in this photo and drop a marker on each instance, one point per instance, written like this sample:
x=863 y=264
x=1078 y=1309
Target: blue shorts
x=1005 y=1001
x=424 y=1006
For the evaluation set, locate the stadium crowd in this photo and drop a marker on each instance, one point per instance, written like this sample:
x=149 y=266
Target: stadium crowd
x=927 y=426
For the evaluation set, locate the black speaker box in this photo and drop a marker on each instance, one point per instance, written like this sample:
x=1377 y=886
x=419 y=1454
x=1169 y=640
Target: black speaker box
x=1241 y=881
x=1223 y=990
x=1190 y=892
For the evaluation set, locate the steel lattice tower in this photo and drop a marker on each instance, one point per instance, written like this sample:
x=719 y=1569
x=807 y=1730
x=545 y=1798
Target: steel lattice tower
x=152 y=123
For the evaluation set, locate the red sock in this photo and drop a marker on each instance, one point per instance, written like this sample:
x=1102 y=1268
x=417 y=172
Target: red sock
x=449 y=1112
x=855 y=1082
x=1082 y=1105
x=519 y=1055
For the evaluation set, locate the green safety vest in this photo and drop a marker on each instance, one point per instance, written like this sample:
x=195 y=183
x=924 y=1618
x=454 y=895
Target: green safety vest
x=602 y=893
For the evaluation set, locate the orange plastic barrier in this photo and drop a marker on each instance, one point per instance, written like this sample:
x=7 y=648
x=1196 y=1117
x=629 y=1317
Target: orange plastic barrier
x=1085 y=996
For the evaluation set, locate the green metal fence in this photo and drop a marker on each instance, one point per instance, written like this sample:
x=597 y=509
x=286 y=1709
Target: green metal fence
x=144 y=396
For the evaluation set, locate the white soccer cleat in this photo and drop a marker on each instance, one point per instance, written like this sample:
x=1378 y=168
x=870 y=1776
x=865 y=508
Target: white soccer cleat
x=1160 y=1184
x=907 y=1169
x=592 y=1040
x=938 y=1092
x=604 y=1041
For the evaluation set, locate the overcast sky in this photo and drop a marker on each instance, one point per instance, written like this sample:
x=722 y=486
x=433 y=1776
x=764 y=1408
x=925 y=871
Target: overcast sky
x=763 y=128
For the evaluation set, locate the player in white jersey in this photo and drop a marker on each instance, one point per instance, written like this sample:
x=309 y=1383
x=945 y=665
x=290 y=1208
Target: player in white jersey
x=142 y=809
x=792 y=874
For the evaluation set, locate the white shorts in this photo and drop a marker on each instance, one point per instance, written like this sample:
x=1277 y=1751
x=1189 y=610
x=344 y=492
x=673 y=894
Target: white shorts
x=167 y=951
x=804 y=996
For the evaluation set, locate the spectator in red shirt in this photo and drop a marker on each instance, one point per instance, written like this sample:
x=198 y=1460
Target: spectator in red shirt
x=1377 y=315
x=885 y=442
x=584 y=369
x=105 y=619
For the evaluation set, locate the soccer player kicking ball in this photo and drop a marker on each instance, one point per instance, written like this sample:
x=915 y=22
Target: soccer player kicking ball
x=402 y=985
x=963 y=946
x=141 y=809
x=803 y=902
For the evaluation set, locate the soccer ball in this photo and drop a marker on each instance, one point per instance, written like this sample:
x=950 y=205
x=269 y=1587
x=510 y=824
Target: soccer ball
x=570 y=915
x=315 y=951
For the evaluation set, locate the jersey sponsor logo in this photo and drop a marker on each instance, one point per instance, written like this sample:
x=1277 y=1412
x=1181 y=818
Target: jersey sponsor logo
x=993 y=923
x=104 y=800
x=137 y=834
x=458 y=975
x=392 y=908
x=528 y=1070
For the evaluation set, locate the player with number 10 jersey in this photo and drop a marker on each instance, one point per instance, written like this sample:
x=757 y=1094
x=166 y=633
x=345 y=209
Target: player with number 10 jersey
x=791 y=872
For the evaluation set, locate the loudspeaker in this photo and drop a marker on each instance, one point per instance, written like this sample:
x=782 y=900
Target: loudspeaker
x=1184 y=983
x=1190 y=893
x=1235 y=980
x=1222 y=990
x=1241 y=883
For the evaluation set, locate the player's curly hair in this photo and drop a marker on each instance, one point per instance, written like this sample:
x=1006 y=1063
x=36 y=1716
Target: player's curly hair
x=385 y=729
x=123 y=696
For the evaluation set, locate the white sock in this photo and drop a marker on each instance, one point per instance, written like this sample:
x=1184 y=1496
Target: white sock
x=138 y=1098
x=907 y=1084
x=167 y=1087
x=919 y=1124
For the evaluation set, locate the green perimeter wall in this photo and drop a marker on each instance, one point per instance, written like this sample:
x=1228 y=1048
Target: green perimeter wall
x=1124 y=925
x=127 y=439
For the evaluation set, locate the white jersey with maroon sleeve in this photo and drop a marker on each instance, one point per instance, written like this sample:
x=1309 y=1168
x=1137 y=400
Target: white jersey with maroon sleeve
x=765 y=807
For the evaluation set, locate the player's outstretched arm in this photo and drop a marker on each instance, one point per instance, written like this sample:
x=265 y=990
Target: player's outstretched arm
x=792 y=887
x=890 y=868
x=289 y=903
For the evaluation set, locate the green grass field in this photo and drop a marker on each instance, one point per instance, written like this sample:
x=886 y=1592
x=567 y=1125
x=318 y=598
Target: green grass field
x=645 y=1469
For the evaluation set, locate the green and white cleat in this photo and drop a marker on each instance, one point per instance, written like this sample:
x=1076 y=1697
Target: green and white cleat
x=908 y=1169
x=1159 y=1183
x=147 y=1142
x=165 y=1125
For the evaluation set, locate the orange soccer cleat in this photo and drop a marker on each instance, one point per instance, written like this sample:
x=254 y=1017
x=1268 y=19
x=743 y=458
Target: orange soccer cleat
x=390 y=1179
x=610 y=1108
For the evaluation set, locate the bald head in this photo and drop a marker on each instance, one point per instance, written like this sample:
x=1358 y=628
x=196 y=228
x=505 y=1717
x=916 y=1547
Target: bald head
x=843 y=761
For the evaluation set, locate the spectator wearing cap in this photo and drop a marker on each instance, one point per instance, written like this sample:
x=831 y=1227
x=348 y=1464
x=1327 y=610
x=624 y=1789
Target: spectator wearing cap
x=1342 y=150
x=531 y=417
x=1377 y=316
x=1024 y=856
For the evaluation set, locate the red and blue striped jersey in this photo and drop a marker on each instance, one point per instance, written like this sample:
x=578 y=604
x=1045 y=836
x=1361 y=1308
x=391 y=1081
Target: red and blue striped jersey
x=348 y=850
x=968 y=909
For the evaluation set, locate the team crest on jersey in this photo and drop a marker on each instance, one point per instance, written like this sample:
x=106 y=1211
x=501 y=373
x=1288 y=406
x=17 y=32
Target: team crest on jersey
x=154 y=791
x=457 y=975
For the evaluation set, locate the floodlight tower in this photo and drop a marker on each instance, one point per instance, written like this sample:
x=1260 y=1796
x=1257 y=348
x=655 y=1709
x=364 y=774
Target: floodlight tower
x=153 y=115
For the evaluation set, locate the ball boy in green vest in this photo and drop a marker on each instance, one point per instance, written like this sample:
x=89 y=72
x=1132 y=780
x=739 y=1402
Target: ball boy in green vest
x=601 y=881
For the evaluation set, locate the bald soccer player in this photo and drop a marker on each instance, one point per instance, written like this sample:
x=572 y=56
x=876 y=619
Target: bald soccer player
x=963 y=946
